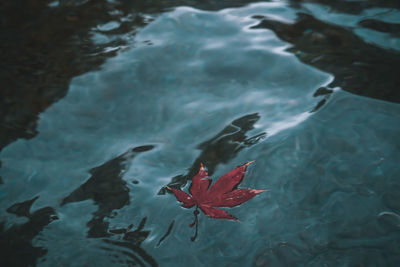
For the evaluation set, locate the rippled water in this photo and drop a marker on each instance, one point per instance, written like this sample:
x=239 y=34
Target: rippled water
x=132 y=97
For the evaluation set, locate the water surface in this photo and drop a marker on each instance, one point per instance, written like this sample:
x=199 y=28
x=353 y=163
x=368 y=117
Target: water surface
x=136 y=96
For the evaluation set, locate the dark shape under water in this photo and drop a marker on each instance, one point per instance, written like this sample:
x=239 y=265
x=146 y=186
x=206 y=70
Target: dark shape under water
x=221 y=148
x=359 y=67
x=16 y=247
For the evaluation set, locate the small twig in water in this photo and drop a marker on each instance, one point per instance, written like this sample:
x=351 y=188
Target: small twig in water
x=195 y=222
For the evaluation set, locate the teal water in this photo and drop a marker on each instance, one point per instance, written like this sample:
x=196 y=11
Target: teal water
x=222 y=86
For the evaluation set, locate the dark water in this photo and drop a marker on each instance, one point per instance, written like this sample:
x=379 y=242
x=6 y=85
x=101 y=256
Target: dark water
x=104 y=103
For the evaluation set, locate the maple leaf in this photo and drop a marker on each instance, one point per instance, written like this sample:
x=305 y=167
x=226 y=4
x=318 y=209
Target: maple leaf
x=222 y=193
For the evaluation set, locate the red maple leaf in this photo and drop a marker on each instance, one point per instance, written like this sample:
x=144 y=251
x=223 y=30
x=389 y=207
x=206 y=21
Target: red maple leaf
x=222 y=193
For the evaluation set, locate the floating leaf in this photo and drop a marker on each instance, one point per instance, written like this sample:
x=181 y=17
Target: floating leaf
x=222 y=193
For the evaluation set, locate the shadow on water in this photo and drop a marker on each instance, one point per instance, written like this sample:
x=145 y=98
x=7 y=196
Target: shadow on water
x=16 y=247
x=221 y=148
x=359 y=67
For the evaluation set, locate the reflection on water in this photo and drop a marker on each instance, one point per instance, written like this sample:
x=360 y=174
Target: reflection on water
x=104 y=103
x=132 y=241
x=46 y=47
x=16 y=241
x=359 y=67
x=108 y=190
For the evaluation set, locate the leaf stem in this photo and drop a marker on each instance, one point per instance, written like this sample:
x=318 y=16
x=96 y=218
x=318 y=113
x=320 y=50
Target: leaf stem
x=196 y=222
